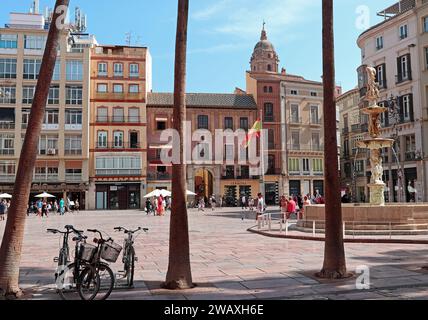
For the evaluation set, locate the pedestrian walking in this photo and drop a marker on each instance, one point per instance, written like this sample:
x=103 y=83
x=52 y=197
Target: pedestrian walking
x=61 y=206
x=244 y=202
x=291 y=207
x=2 y=210
x=283 y=203
x=201 y=204
x=260 y=206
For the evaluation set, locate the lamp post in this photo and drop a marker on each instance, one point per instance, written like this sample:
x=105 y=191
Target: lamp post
x=394 y=114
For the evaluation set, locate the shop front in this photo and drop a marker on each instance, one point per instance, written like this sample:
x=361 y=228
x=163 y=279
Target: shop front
x=118 y=196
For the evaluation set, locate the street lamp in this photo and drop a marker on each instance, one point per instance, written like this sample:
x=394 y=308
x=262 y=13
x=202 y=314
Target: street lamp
x=394 y=114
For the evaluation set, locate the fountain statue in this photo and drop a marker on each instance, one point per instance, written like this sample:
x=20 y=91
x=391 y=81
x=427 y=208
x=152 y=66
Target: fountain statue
x=375 y=142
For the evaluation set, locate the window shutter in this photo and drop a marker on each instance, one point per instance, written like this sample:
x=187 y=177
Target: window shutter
x=384 y=74
x=409 y=66
x=412 y=115
x=400 y=101
x=399 y=71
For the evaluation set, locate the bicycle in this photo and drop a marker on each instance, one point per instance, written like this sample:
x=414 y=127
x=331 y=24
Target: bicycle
x=67 y=274
x=97 y=279
x=129 y=257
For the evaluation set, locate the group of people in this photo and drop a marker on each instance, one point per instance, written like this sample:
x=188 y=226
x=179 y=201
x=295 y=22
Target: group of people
x=212 y=203
x=42 y=207
x=4 y=207
x=158 y=205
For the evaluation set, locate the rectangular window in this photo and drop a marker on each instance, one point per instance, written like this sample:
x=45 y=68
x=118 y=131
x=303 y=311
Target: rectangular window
x=315 y=118
x=404 y=68
x=294 y=113
x=160 y=125
x=134 y=88
x=118 y=115
x=118 y=70
x=306 y=167
x=53 y=97
x=203 y=122
x=118 y=88
x=51 y=117
x=73 y=116
x=379 y=43
x=8 y=95
x=48 y=145
x=34 y=42
x=8 y=41
x=57 y=71
x=243 y=123
x=7 y=168
x=406 y=108
x=7 y=68
x=102 y=139
x=295 y=140
x=74 y=95
x=425 y=24
x=134 y=70
x=31 y=68
x=315 y=138
x=426 y=58
x=73 y=145
x=118 y=139
x=268 y=112
x=7 y=144
x=102 y=114
x=102 y=88
x=102 y=69
x=403 y=31
x=314 y=94
x=381 y=75
x=134 y=115
x=28 y=94
x=74 y=70
x=229 y=153
x=294 y=92
x=228 y=123
x=294 y=166
x=317 y=166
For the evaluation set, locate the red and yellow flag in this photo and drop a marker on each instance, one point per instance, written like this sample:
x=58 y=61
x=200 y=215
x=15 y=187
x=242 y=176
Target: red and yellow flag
x=255 y=131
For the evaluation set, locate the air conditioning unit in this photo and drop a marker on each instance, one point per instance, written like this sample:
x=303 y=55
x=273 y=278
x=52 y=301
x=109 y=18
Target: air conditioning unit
x=51 y=152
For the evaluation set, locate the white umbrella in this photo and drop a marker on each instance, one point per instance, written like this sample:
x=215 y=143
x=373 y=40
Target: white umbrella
x=5 y=196
x=190 y=193
x=157 y=193
x=45 y=195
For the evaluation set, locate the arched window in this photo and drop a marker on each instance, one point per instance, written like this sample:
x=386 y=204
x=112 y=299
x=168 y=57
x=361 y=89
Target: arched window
x=268 y=112
x=118 y=114
x=270 y=89
x=269 y=67
x=265 y=89
x=102 y=114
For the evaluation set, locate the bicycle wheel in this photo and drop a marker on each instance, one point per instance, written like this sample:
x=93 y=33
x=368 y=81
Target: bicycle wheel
x=88 y=283
x=65 y=282
x=130 y=268
x=96 y=283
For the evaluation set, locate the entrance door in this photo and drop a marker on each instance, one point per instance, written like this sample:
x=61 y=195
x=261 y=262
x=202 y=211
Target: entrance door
x=271 y=191
x=294 y=187
x=122 y=194
x=133 y=140
x=101 y=200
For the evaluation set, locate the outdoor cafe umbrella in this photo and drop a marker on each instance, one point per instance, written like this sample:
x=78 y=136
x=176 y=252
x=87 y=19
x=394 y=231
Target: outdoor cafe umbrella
x=5 y=196
x=190 y=193
x=45 y=195
x=158 y=193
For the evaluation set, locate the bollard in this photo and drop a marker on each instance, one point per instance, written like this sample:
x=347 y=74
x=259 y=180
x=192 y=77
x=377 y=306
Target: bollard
x=313 y=228
x=286 y=227
x=258 y=223
x=390 y=230
x=270 y=222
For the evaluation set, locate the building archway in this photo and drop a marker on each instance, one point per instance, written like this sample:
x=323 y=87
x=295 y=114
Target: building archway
x=204 y=183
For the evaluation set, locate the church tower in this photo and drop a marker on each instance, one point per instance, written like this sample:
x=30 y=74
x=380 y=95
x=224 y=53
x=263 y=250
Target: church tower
x=264 y=58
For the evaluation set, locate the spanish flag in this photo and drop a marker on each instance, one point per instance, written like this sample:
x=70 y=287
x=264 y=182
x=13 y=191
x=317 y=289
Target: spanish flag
x=255 y=131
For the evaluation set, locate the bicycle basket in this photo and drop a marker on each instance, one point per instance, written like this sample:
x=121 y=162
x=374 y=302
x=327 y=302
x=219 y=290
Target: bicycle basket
x=87 y=251
x=110 y=251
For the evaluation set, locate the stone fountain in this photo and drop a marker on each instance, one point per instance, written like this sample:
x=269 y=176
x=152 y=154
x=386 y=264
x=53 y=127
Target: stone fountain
x=375 y=142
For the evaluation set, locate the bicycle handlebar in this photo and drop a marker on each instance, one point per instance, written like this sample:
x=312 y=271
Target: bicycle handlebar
x=130 y=231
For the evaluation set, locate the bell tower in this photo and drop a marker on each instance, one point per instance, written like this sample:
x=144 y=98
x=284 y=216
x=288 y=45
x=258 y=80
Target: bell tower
x=264 y=58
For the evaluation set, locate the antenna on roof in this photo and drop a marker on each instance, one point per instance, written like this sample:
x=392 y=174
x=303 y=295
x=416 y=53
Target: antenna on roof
x=128 y=38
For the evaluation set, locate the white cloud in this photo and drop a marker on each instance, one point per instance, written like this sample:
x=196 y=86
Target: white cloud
x=217 y=48
x=210 y=11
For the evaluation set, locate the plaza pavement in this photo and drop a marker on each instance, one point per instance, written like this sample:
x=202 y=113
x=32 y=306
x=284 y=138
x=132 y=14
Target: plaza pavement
x=228 y=262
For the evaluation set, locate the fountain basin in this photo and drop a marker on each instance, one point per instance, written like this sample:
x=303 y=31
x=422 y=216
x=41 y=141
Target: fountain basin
x=392 y=218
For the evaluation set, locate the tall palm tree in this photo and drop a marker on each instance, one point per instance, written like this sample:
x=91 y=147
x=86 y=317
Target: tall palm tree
x=11 y=246
x=334 y=251
x=179 y=275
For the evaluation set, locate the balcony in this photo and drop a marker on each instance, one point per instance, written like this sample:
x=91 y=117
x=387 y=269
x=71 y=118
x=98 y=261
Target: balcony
x=118 y=146
x=345 y=130
x=295 y=121
x=273 y=171
x=315 y=122
x=48 y=152
x=73 y=152
x=72 y=127
x=158 y=176
x=410 y=156
x=46 y=177
x=228 y=177
x=118 y=172
x=7 y=178
x=118 y=119
x=7 y=152
x=356 y=128
x=7 y=125
x=73 y=177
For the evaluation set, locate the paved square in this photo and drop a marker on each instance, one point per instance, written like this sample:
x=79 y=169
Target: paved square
x=227 y=261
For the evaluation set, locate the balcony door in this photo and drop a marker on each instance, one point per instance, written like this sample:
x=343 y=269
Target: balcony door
x=133 y=139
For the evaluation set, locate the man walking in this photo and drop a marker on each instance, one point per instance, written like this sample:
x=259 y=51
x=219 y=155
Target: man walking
x=260 y=205
x=61 y=207
x=291 y=207
x=244 y=202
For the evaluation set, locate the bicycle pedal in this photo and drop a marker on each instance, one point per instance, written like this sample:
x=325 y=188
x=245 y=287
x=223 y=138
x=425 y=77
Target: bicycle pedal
x=56 y=259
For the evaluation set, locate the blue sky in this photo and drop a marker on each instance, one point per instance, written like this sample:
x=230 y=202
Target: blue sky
x=222 y=35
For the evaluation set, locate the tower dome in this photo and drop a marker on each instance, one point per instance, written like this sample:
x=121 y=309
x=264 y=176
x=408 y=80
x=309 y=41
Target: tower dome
x=264 y=58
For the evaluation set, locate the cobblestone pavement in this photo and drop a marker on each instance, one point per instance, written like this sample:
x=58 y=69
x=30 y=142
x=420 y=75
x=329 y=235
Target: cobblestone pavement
x=227 y=261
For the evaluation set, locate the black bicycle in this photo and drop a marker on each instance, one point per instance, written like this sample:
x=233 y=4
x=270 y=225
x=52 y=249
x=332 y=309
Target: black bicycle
x=129 y=257
x=67 y=274
x=96 y=281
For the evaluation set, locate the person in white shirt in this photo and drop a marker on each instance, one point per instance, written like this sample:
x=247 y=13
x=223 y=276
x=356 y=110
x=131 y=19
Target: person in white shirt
x=260 y=205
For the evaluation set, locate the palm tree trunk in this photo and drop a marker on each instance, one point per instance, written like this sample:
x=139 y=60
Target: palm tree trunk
x=334 y=252
x=179 y=275
x=11 y=246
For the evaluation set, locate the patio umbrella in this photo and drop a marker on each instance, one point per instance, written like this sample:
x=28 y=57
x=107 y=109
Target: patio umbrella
x=45 y=195
x=5 y=196
x=157 y=193
x=190 y=193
